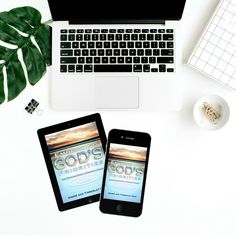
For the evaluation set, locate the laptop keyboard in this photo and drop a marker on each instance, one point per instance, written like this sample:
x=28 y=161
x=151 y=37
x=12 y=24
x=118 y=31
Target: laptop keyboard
x=117 y=50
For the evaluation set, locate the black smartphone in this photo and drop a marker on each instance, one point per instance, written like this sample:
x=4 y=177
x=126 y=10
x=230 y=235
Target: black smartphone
x=125 y=173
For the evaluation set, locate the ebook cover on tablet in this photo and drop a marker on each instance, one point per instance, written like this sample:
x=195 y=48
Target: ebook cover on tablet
x=74 y=154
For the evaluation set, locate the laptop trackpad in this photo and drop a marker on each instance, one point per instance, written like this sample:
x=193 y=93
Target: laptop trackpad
x=117 y=92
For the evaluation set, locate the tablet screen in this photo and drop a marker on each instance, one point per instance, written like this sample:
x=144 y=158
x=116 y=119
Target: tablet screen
x=78 y=160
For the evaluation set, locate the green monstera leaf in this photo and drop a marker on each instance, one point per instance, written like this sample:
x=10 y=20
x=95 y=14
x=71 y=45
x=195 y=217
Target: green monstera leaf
x=23 y=34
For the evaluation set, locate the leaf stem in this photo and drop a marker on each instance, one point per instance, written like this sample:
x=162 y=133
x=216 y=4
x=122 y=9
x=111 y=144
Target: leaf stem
x=48 y=22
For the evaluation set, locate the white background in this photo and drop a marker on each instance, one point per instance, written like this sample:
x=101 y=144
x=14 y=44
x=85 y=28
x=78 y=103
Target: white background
x=190 y=188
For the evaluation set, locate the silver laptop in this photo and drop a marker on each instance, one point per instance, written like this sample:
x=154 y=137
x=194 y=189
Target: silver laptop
x=116 y=55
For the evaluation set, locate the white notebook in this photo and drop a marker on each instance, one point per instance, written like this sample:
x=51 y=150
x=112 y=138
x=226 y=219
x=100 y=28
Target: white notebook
x=215 y=52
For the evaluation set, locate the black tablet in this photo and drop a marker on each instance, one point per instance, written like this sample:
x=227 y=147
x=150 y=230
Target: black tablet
x=74 y=155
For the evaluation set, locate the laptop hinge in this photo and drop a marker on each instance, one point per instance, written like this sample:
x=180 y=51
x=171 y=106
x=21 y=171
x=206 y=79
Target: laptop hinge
x=115 y=21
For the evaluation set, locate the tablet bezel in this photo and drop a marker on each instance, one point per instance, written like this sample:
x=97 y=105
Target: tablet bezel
x=63 y=126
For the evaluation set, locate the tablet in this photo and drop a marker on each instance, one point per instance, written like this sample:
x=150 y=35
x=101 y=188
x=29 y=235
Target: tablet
x=74 y=155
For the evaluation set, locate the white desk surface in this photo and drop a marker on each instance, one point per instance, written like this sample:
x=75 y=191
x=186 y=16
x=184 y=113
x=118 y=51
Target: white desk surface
x=190 y=190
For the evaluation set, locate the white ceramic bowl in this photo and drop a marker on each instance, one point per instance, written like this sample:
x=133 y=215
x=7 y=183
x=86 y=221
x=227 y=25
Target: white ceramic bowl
x=219 y=104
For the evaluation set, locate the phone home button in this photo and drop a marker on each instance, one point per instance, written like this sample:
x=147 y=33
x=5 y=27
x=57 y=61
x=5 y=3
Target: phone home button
x=119 y=208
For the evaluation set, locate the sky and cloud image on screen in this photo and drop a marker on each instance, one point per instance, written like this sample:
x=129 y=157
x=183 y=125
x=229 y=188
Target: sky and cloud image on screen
x=72 y=135
x=127 y=152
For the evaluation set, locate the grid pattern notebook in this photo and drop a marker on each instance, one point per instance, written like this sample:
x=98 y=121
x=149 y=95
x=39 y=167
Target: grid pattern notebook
x=215 y=52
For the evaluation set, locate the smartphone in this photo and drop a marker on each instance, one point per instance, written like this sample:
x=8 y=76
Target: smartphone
x=125 y=173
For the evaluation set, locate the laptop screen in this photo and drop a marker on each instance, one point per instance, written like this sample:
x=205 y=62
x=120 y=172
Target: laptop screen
x=116 y=11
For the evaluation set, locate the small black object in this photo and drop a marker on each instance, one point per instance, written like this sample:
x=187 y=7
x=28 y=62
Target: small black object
x=32 y=106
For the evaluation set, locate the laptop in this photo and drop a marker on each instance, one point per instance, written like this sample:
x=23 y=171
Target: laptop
x=116 y=56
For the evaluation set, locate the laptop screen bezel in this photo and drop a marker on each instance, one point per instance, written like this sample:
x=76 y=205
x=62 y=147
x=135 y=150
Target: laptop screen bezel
x=161 y=16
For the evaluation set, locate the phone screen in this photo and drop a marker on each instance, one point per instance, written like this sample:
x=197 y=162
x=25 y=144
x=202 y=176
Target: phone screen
x=125 y=173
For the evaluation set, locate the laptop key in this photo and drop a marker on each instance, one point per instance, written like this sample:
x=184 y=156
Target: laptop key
x=132 y=52
x=165 y=59
x=89 y=60
x=142 y=37
x=154 y=45
x=87 y=37
x=161 y=31
x=144 y=59
x=121 y=60
x=140 y=52
x=65 y=44
x=168 y=36
x=101 y=52
x=157 y=36
x=98 y=44
x=146 y=44
x=93 y=52
x=81 y=60
x=79 y=37
x=136 y=59
x=71 y=68
x=79 y=68
x=154 y=70
x=71 y=37
x=95 y=37
x=152 y=60
x=68 y=60
x=91 y=44
x=77 y=52
x=150 y=37
x=116 y=52
x=80 y=31
x=137 y=68
x=138 y=44
x=167 y=52
x=170 y=69
x=134 y=36
x=126 y=36
x=104 y=59
x=85 y=52
x=114 y=44
x=111 y=37
x=169 y=31
x=66 y=52
x=112 y=68
x=156 y=52
x=128 y=60
x=75 y=45
x=112 y=60
x=104 y=31
x=162 y=44
x=162 y=68
x=71 y=31
x=63 y=68
x=88 y=31
x=170 y=44
x=108 y=52
x=103 y=37
x=107 y=44
x=148 y=52
x=153 y=30
x=88 y=68
x=63 y=37
x=130 y=44
x=146 y=68
x=83 y=45
x=63 y=31
x=97 y=60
